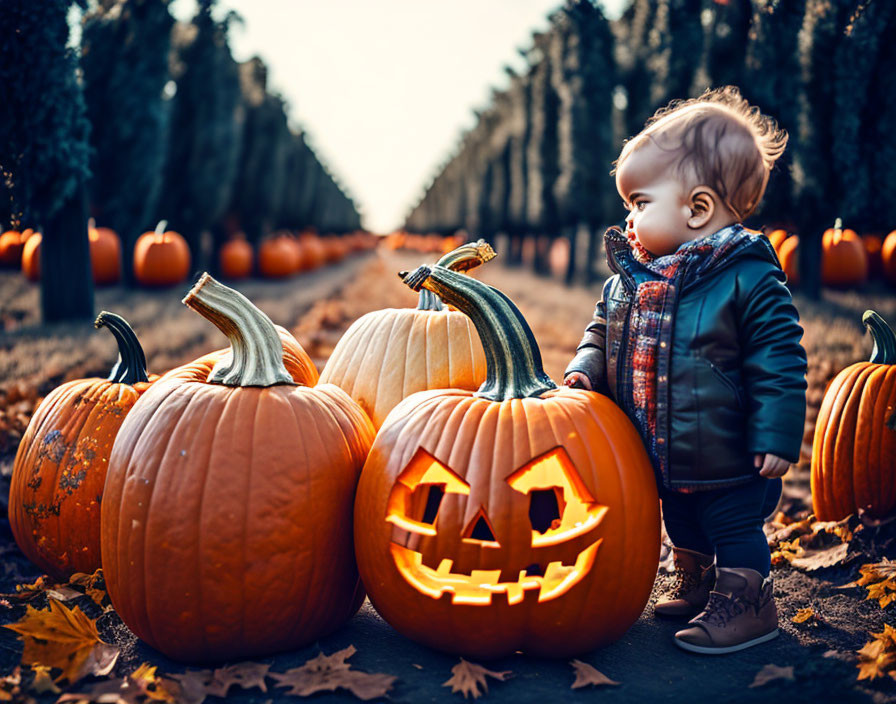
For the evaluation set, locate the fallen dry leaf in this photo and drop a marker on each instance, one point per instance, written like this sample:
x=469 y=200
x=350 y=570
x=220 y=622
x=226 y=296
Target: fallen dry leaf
x=145 y=678
x=191 y=687
x=587 y=675
x=66 y=639
x=804 y=615
x=467 y=678
x=10 y=685
x=326 y=673
x=810 y=560
x=94 y=586
x=770 y=673
x=119 y=690
x=879 y=579
x=877 y=657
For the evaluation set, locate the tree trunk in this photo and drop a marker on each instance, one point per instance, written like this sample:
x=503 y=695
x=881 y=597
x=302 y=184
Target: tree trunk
x=66 y=276
x=594 y=241
x=811 y=229
x=572 y=265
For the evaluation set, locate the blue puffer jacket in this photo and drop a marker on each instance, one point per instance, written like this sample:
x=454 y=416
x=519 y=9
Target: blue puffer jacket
x=731 y=372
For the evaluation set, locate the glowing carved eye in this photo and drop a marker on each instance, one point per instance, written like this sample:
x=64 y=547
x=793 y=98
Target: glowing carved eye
x=415 y=500
x=560 y=505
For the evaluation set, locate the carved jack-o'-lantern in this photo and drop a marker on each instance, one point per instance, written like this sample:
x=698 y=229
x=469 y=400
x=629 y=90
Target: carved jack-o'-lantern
x=517 y=517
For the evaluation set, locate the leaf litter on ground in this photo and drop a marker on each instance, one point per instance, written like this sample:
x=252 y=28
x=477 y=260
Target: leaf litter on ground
x=64 y=639
x=879 y=579
x=327 y=673
x=877 y=658
x=468 y=677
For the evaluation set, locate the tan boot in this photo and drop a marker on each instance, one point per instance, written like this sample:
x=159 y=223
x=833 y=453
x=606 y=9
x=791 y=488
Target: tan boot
x=694 y=578
x=741 y=613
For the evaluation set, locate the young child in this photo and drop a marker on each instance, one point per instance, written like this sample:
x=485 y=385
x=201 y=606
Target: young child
x=696 y=338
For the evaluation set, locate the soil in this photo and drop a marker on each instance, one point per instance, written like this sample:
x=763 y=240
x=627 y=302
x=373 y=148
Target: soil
x=318 y=307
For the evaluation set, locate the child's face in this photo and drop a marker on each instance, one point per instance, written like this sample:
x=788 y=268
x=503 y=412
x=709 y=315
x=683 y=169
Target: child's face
x=657 y=199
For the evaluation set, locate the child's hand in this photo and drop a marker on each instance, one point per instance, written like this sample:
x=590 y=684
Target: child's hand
x=577 y=380
x=772 y=465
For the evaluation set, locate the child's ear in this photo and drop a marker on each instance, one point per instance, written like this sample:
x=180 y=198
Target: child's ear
x=703 y=206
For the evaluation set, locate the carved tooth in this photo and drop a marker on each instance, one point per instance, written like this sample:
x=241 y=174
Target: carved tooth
x=445 y=567
x=485 y=579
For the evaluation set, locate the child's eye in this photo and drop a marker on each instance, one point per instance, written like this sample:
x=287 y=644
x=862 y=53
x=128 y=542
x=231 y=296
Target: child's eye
x=640 y=204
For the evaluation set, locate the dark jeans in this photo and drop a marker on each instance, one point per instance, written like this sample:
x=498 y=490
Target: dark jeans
x=724 y=522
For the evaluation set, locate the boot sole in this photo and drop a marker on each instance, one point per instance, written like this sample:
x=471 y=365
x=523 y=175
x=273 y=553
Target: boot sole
x=709 y=650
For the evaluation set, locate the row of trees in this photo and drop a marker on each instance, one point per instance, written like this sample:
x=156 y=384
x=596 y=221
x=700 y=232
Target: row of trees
x=148 y=119
x=537 y=162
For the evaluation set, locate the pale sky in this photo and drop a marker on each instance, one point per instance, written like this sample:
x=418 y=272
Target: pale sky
x=384 y=88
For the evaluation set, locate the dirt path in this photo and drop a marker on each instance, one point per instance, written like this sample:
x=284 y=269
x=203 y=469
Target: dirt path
x=318 y=308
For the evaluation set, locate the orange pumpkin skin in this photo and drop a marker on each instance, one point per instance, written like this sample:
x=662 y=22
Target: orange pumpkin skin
x=31 y=258
x=235 y=259
x=60 y=470
x=474 y=573
x=105 y=255
x=854 y=447
x=843 y=261
x=226 y=522
x=888 y=256
x=11 y=244
x=777 y=237
x=278 y=257
x=788 y=254
x=387 y=355
x=161 y=258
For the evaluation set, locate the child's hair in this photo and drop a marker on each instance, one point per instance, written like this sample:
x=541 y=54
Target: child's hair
x=719 y=140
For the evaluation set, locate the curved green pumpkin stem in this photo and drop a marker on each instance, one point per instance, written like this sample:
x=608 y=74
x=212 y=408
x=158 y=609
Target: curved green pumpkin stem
x=257 y=358
x=467 y=256
x=884 y=351
x=131 y=365
x=512 y=357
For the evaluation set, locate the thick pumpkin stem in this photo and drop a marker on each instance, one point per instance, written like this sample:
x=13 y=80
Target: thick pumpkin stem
x=512 y=357
x=257 y=352
x=467 y=256
x=131 y=365
x=160 y=228
x=884 y=351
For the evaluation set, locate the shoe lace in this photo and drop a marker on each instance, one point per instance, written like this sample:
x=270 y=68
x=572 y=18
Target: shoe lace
x=721 y=608
x=685 y=582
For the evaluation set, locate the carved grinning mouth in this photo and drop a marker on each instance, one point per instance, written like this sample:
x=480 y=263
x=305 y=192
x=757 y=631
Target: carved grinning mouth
x=479 y=586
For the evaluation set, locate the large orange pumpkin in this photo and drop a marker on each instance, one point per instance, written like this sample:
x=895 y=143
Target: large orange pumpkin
x=105 y=254
x=888 y=256
x=387 y=355
x=854 y=448
x=161 y=258
x=31 y=257
x=235 y=259
x=843 y=258
x=60 y=467
x=517 y=517
x=227 y=515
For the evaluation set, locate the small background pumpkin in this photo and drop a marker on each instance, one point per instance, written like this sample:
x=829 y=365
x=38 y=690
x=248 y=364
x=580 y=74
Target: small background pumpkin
x=161 y=258
x=843 y=260
x=235 y=259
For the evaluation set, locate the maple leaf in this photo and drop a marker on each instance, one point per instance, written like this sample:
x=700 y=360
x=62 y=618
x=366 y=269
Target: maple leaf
x=66 y=639
x=878 y=656
x=468 y=677
x=804 y=615
x=770 y=673
x=879 y=579
x=587 y=675
x=330 y=672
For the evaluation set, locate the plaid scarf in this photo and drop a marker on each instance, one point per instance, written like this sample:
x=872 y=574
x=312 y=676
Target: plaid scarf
x=658 y=284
